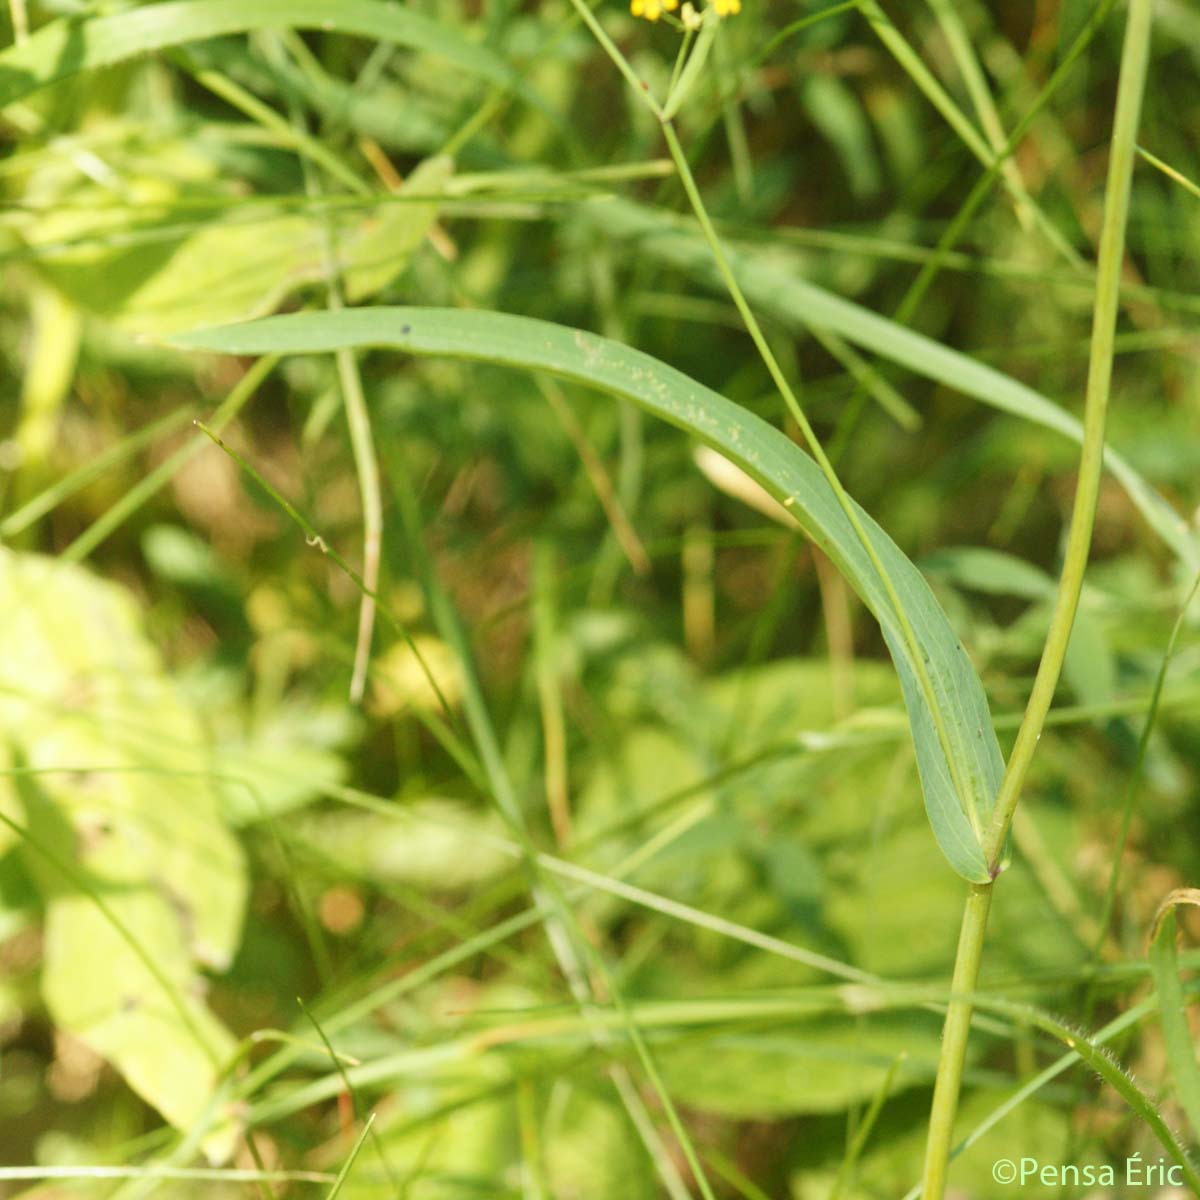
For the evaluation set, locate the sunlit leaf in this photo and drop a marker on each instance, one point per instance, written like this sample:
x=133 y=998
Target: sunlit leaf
x=140 y=879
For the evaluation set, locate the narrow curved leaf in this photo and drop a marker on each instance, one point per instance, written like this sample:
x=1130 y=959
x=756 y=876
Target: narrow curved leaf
x=759 y=449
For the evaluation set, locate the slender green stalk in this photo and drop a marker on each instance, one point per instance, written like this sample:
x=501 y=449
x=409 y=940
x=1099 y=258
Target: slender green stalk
x=308 y=148
x=1127 y=1020
x=226 y=1176
x=550 y=703
x=640 y=89
x=445 y=734
x=975 y=82
x=955 y=1030
x=371 y=494
x=1164 y=961
x=1134 y=60
x=1170 y=172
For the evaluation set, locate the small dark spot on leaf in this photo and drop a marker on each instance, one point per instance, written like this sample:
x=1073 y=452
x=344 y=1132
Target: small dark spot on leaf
x=406 y=329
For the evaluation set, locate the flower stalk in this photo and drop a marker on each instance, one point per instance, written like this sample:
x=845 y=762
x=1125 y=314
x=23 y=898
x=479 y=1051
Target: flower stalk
x=1131 y=86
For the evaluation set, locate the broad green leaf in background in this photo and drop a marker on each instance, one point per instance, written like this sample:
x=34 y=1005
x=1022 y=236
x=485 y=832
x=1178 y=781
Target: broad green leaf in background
x=178 y=273
x=436 y=845
x=242 y=268
x=281 y=764
x=816 y=838
x=764 y=453
x=982 y=569
x=126 y=842
x=895 y=1154
x=591 y=1151
x=815 y=1066
x=383 y=244
x=397 y=116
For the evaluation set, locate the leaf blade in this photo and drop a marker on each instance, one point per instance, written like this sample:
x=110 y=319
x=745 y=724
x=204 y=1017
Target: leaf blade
x=765 y=453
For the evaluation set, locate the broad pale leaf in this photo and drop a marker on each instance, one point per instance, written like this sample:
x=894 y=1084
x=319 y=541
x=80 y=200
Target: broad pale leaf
x=140 y=879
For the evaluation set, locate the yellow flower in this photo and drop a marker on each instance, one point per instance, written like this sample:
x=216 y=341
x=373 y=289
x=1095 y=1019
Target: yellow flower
x=653 y=9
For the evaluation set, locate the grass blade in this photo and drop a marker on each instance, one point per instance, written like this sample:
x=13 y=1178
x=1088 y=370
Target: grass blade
x=1111 y=1071
x=1164 y=961
x=65 y=47
x=344 y=1173
x=63 y=489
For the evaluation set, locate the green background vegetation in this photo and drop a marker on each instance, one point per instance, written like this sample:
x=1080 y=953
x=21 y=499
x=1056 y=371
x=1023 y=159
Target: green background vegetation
x=617 y=879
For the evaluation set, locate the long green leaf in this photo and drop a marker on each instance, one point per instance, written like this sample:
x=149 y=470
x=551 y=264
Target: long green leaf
x=800 y=304
x=66 y=47
x=769 y=457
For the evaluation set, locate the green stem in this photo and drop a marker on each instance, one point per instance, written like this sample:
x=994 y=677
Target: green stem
x=370 y=491
x=974 y=141
x=1134 y=59
x=954 y=1040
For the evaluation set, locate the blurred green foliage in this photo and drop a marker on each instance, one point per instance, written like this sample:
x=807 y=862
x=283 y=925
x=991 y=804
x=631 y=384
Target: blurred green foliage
x=200 y=828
